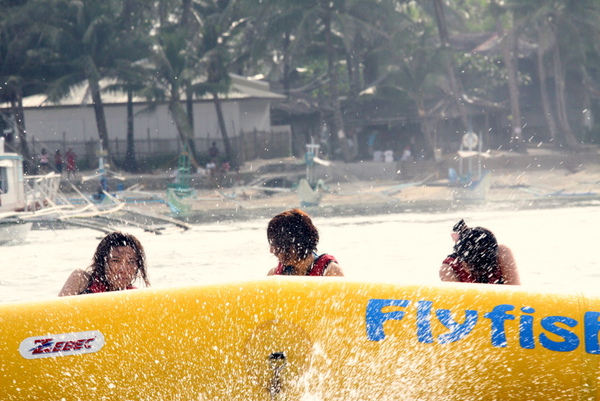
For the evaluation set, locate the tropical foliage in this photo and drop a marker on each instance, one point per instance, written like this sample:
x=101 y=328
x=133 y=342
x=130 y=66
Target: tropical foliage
x=412 y=55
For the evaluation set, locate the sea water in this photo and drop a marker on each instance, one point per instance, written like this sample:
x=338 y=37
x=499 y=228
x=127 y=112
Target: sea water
x=556 y=248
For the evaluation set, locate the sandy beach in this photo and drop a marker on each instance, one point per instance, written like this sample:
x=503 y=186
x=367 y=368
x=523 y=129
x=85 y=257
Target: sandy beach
x=540 y=178
x=516 y=187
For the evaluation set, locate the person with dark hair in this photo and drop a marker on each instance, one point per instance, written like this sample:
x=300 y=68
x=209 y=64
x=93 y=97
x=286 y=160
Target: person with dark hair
x=478 y=258
x=44 y=166
x=213 y=152
x=58 y=162
x=71 y=164
x=457 y=229
x=118 y=262
x=293 y=239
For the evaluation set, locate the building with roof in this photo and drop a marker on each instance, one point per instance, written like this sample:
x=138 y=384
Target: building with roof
x=71 y=122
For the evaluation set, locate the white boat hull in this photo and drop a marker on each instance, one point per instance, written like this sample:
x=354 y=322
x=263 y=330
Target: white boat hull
x=308 y=196
x=14 y=231
x=474 y=190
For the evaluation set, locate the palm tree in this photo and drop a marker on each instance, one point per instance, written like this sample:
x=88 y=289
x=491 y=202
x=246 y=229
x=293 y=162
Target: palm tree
x=128 y=70
x=219 y=26
x=305 y=31
x=23 y=53
x=573 y=24
x=562 y=29
x=510 y=54
x=191 y=56
x=171 y=69
x=88 y=41
x=328 y=11
x=455 y=86
x=544 y=43
x=417 y=74
x=131 y=80
x=368 y=33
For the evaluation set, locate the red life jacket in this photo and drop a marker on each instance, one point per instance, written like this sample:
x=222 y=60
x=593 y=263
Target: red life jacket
x=97 y=287
x=464 y=276
x=318 y=268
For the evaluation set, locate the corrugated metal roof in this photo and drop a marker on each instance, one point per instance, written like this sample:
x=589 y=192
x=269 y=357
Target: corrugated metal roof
x=241 y=88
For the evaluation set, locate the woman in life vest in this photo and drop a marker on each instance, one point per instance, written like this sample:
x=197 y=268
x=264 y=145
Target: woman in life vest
x=118 y=262
x=478 y=258
x=293 y=239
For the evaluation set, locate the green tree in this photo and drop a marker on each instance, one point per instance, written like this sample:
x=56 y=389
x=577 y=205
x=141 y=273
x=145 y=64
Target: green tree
x=510 y=56
x=89 y=42
x=171 y=69
x=220 y=27
x=24 y=54
x=415 y=71
x=128 y=70
x=563 y=30
x=330 y=31
x=456 y=90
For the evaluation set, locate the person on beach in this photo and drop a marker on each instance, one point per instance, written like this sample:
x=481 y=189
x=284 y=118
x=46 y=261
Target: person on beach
x=213 y=152
x=118 y=262
x=406 y=155
x=478 y=258
x=71 y=166
x=44 y=166
x=293 y=239
x=58 y=162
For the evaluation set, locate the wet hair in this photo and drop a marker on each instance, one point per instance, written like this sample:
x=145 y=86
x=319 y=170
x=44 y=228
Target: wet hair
x=479 y=249
x=107 y=244
x=293 y=235
x=460 y=226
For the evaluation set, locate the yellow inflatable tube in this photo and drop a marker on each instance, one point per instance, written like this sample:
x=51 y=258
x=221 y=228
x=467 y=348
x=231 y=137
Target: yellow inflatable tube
x=291 y=338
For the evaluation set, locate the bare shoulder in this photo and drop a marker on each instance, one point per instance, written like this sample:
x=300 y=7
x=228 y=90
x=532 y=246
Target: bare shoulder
x=504 y=250
x=508 y=265
x=447 y=273
x=333 y=269
x=505 y=256
x=272 y=272
x=76 y=283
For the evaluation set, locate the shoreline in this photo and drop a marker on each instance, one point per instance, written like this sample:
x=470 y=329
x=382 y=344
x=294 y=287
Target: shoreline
x=509 y=190
x=540 y=179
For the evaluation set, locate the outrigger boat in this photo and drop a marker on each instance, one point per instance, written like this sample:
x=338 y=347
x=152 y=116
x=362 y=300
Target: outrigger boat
x=470 y=185
x=13 y=198
x=180 y=194
x=25 y=200
x=310 y=190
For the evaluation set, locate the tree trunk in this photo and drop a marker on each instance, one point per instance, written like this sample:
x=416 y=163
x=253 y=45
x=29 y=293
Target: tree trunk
x=189 y=104
x=130 y=161
x=561 y=109
x=425 y=129
x=186 y=13
x=455 y=87
x=338 y=121
x=287 y=64
x=186 y=134
x=353 y=76
x=234 y=163
x=544 y=95
x=94 y=85
x=509 y=54
x=19 y=116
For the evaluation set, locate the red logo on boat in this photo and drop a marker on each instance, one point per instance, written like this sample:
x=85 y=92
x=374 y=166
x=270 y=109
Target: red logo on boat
x=61 y=344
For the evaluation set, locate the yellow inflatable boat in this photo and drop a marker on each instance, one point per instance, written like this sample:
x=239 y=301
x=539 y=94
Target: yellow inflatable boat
x=292 y=338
